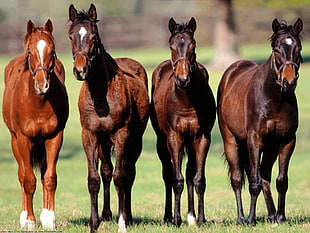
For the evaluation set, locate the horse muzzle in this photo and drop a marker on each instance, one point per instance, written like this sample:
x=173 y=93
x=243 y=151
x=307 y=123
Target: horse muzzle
x=41 y=86
x=81 y=74
x=182 y=82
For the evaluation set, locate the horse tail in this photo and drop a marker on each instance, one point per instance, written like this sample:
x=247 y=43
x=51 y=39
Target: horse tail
x=38 y=159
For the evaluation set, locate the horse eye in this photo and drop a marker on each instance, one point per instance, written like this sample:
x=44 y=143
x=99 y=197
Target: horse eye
x=70 y=37
x=276 y=50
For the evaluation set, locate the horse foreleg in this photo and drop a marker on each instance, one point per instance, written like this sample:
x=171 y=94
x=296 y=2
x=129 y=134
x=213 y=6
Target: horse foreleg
x=106 y=174
x=119 y=177
x=21 y=147
x=49 y=181
x=90 y=145
x=282 y=179
x=175 y=148
x=201 y=147
x=190 y=174
x=268 y=159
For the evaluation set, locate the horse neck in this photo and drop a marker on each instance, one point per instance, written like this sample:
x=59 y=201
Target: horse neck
x=270 y=87
x=195 y=88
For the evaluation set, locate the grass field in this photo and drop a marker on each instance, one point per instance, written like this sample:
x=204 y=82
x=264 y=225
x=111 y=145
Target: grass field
x=72 y=198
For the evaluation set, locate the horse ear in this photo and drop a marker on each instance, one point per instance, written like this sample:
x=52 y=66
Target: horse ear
x=172 y=25
x=30 y=27
x=92 y=12
x=298 y=26
x=72 y=13
x=276 y=25
x=49 y=26
x=192 y=24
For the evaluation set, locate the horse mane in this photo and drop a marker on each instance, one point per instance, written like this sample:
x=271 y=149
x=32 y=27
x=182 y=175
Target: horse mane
x=284 y=30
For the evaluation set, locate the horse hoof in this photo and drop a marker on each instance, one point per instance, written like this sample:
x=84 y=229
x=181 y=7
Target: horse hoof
x=30 y=225
x=241 y=221
x=48 y=219
x=281 y=218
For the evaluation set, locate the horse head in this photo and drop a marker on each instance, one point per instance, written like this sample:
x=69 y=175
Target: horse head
x=286 y=53
x=40 y=54
x=183 y=56
x=85 y=40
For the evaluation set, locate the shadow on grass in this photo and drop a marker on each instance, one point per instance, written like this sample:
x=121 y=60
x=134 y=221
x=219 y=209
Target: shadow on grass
x=298 y=220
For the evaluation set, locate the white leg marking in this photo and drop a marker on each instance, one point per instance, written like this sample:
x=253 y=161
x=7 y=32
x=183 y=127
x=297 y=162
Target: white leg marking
x=191 y=220
x=40 y=46
x=48 y=219
x=121 y=224
x=23 y=218
x=82 y=33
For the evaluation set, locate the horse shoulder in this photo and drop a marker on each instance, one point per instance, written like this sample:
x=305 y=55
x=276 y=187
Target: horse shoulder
x=14 y=68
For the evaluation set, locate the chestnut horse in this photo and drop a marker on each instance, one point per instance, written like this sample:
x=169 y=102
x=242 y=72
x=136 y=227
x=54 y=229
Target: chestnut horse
x=258 y=119
x=183 y=114
x=35 y=110
x=113 y=106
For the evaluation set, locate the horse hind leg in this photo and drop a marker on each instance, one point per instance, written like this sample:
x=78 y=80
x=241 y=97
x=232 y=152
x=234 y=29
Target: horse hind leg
x=165 y=159
x=106 y=174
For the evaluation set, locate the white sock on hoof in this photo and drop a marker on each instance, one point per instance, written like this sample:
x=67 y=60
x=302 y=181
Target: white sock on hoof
x=121 y=224
x=191 y=220
x=23 y=218
x=48 y=219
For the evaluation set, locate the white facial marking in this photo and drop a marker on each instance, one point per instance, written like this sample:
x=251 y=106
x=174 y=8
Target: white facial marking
x=184 y=67
x=288 y=41
x=82 y=32
x=40 y=46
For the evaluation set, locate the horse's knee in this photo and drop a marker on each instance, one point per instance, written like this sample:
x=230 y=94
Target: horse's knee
x=282 y=184
x=255 y=188
x=178 y=184
x=119 y=179
x=93 y=184
x=200 y=184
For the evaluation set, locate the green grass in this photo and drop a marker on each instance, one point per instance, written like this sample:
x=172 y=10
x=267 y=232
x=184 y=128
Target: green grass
x=72 y=198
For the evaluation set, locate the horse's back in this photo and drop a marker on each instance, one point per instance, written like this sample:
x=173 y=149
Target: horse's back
x=235 y=85
x=136 y=80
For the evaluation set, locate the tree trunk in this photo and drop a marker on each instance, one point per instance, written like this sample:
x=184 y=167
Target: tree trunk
x=225 y=36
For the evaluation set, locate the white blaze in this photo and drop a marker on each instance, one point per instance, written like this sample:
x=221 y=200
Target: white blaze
x=40 y=46
x=82 y=32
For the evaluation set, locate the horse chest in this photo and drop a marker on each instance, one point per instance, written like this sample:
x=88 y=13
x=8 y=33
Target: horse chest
x=184 y=122
x=39 y=125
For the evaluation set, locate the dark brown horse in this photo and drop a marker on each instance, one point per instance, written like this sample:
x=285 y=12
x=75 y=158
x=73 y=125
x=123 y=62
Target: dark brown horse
x=183 y=114
x=258 y=119
x=35 y=109
x=113 y=107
